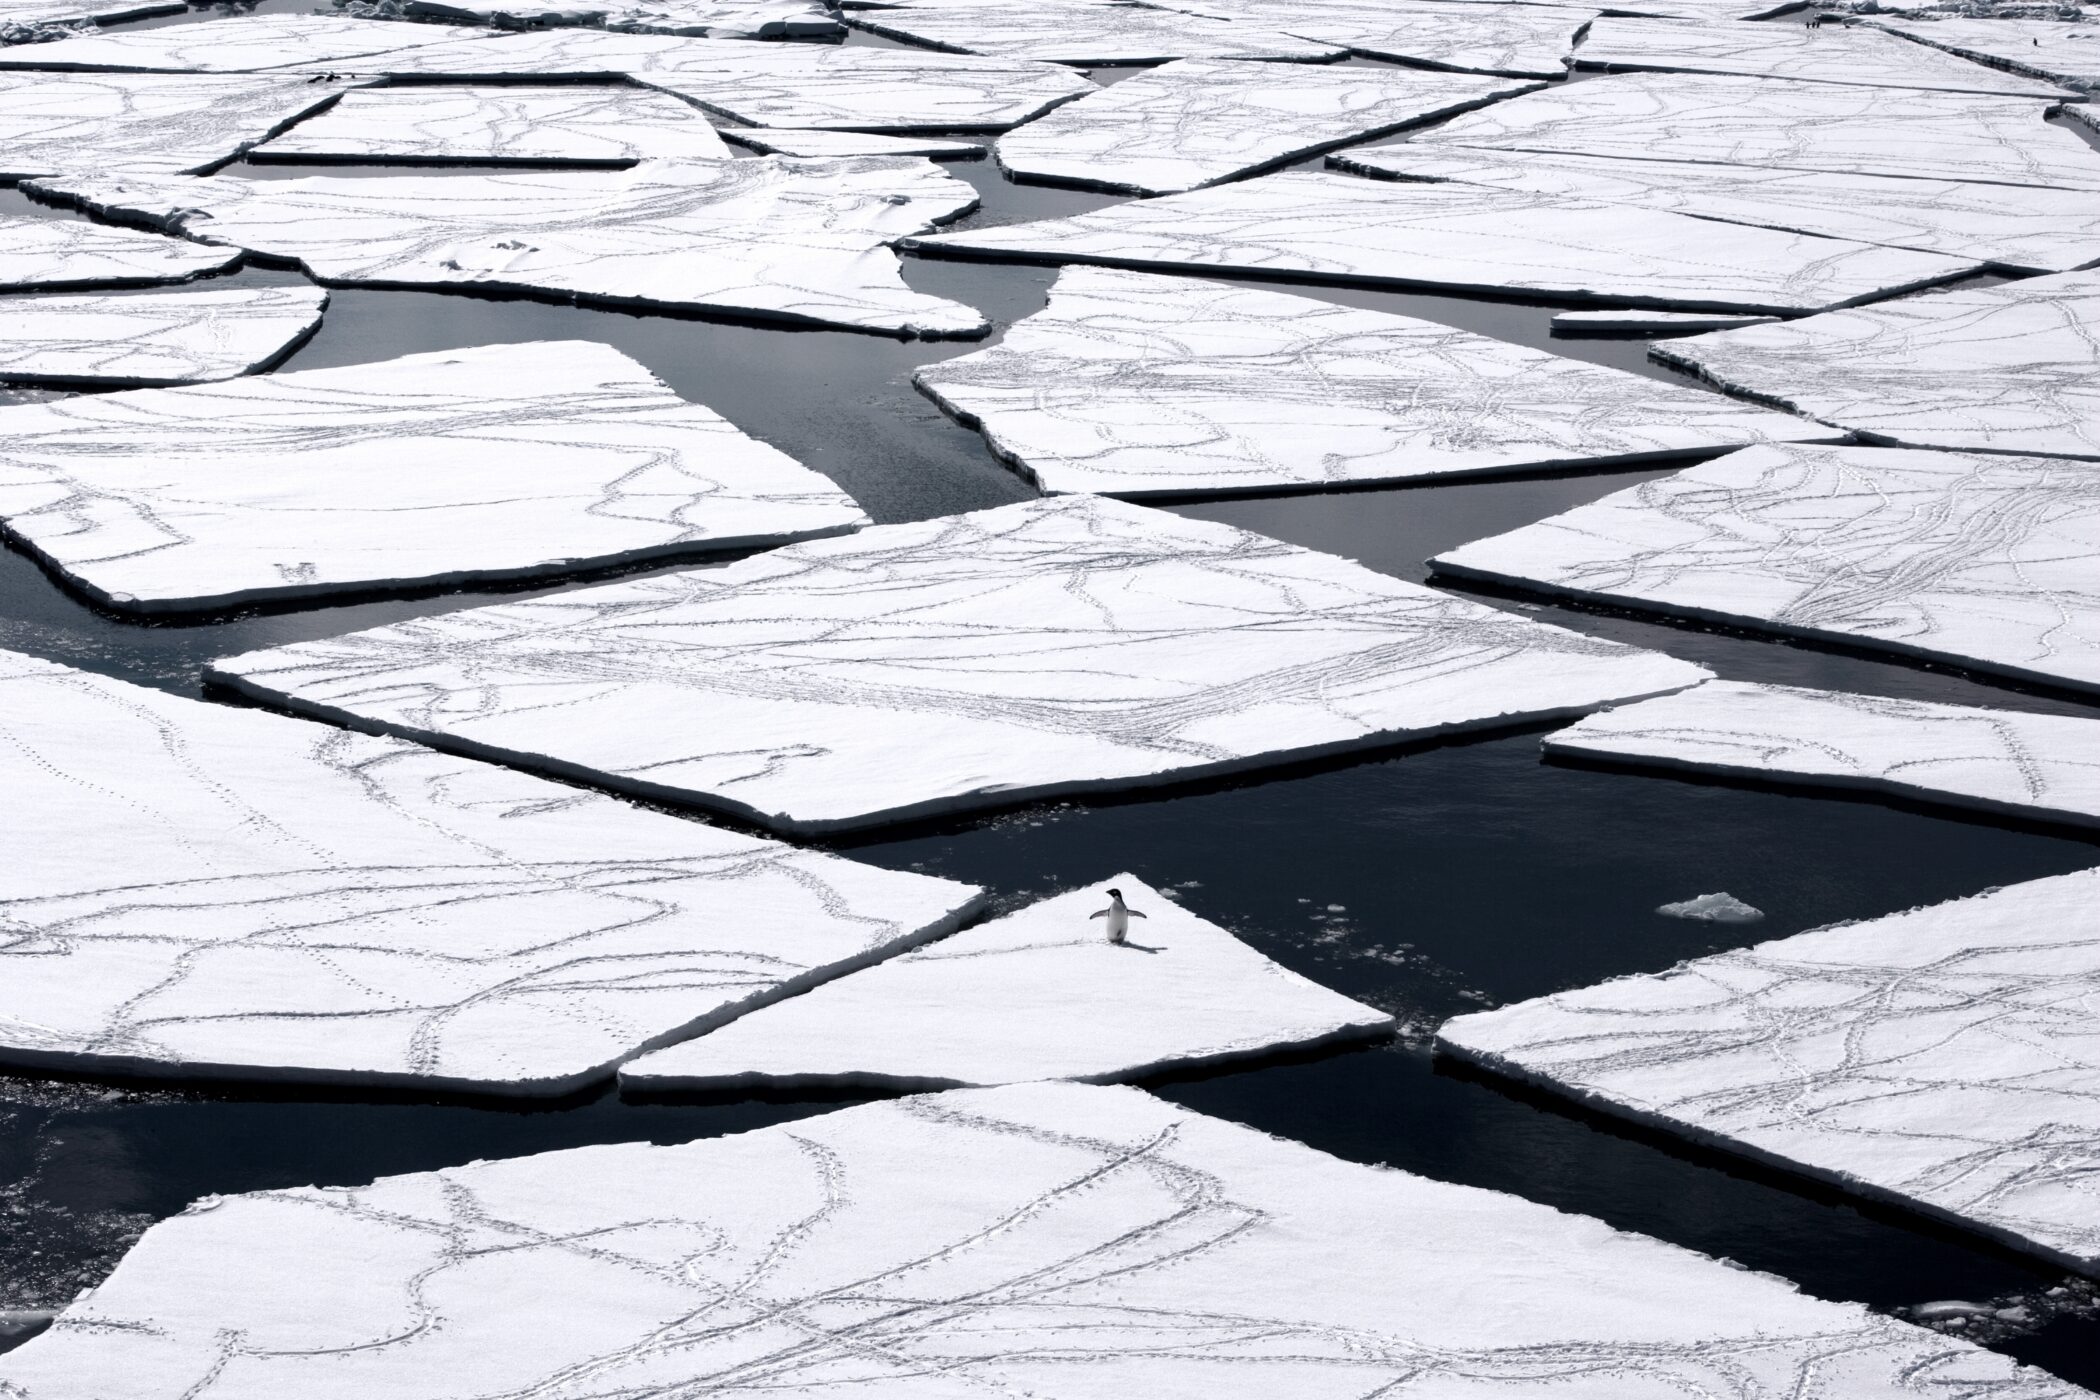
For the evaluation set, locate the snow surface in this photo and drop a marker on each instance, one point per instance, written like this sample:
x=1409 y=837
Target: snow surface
x=1201 y=121
x=1132 y=384
x=2029 y=229
x=153 y=338
x=1036 y=649
x=1720 y=908
x=1085 y=34
x=1982 y=560
x=235 y=44
x=774 y=238
x=41 y=254
x=1946 y=1057
x=2045 y=766
x=1039 y=994
x=1058 y=1241
x=831 y=145
x=2066 y=53
x=551 y=125
x=733 y=19
x=148 y=123
x=1661 y=322
x=1338 y=228
x=195 y=889
x=1830 y=54
x=22 y=21
x=2006 y=368
x=1789 y=125
x=1519 y=41
x=504 y=461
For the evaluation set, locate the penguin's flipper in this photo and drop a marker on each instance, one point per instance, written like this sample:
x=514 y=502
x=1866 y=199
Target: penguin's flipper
x=1133 y=913
x=1101 y=913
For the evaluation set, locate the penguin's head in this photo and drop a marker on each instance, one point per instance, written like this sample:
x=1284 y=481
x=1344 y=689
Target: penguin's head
x=1115 y=894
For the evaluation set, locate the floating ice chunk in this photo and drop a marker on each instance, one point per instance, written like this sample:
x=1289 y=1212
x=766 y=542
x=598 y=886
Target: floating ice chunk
x=1336 y=228
x=1946 y=1058
x=1788 y=125
x=1134 y=385
x=2008 y=368
x=150 y=123
x=504 y=461
x=44 y=254
x=194 y=889
x=235 y=44
x=1039 y=994
x=30 y=21
x=483 y=126
x=832 y=145
x=1519 y=41
x=2056 y=52
x=1827 y=55
x=1052 y=646
x=1200 y=121
x=2000 y=760
x=1658 y=322
x=780 y=239
x=1982 y=560
x=726 y=19
x=1085 y=34
x=157 y=338
x=1060 y=1241
x=1721 y=908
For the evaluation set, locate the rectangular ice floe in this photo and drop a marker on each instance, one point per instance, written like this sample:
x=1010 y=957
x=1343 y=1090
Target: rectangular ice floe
x=1085 y=34
x=1136 y=385
x=2055 y=51
x=198 y=890
x=499 y=462
x=491 y=126
x=180 y=337
x=1054 y=1241
x=1043 y=993
x=234 y=44
x=1640 y=322
x=38 y=254
x=2008 y=368
x=1986 y=561
x=1947 y=1058
x=1521 y=41
x=831 y=145
x=778 y=239
x=1052 y=646
x=1200 y=121
x=1467 y=237
x=1828 y=54
x=149 y=123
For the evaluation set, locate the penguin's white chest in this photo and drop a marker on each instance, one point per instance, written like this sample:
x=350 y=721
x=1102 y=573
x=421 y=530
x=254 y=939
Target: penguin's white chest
x=1118 y=924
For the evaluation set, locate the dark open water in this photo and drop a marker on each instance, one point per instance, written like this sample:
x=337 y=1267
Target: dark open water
x=1428 y=882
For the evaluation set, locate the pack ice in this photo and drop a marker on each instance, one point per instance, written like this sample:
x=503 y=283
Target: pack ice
x=234 y=44
x=29 y=21
x=715 y=19
x=104 y=124
x=1946 y=1058
x=1047 y=647
x=197 y=890
x=503 y=461
x=1039 y=994
x=1519 y=41
x=1828 y=55
x=544 y=126
x=1985 y=561
x=180 y=337
x=45 y=254
x=2054 y=51
x=2029 y=765
x=1059 y=1241
x=1084 y=33
x=1135 y=385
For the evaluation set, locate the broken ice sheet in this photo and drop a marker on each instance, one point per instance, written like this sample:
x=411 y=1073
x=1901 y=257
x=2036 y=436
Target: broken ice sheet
x=2006 y=368
x=1986 y=561
x=503 y=461
x=1052 y=646
x=1522 y=41
x=1038 y=994
x=547 y=126
x=718 y=19
x=1382 y=233
x=178 y=337
x=1085 y=33
x=831 y=145
x=27 y=21
x=1718 y=908
x=1947 y=1058
x=780 y=239
x=1658 y=322
x=2054 y=51
x=2045 y=766
x=1200 y=121
x=42 y=254
x=1134 y=385
x=150 y=123
x=195 y=889
x=1828 y=54
x=235 y=44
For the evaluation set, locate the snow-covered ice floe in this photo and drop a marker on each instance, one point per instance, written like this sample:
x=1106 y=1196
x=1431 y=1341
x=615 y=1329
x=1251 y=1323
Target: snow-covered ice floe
x=1085 y=33
x=2029 y=765
x=1829 y=55
x=500 y=462
x=779 y=239
x=1326 y=227
x=1518 y=41
x=1048 y=647
x=1947 y=1058
x=820 y=144
x=235 y=44
x=1039 y=994
x=1131 y=384
x=199 y=890
x=1658 y=322
x=1059 y=1241
x=180 y=337
x=714 y=19
x=36 y=21
x=490 y=126
x=1718 y=908
x=47 y=254
x=2008 y=368
x=1200 y=121
x=2053 y=51
x=104 y=124
x=1986 y=561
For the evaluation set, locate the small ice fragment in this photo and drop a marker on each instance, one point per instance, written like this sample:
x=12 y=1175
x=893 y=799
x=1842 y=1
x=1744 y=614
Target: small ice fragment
x=1946 y=1308
x=1720 y=908
x=1337 y=908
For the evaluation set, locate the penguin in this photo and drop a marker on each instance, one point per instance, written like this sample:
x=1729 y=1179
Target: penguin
x=1118 y=915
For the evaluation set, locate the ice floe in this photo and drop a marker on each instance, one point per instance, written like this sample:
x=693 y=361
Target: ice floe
x=1059 y=1241
x=1039 y=994
x=1520 y=41
x=178 y=337
x=2030 y=765
x=1199 y=121
x=149 y=123
x=503 y=461
x=1947 y=1058
x=1047 y=647
x=773 y=238
x=196 y=889
x=1658 y=322
x=37 y=21
x=1132 y=384
x=546 y=126
x=2054 y=51
x=716 y=19
x=832 y=145
x=1828 y=55
x=1982 y=560
x=42 y=254
x=1085 y=33
x=236 y=44
x=2006 y=368
x=1468 y=237
x=1719 y=908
